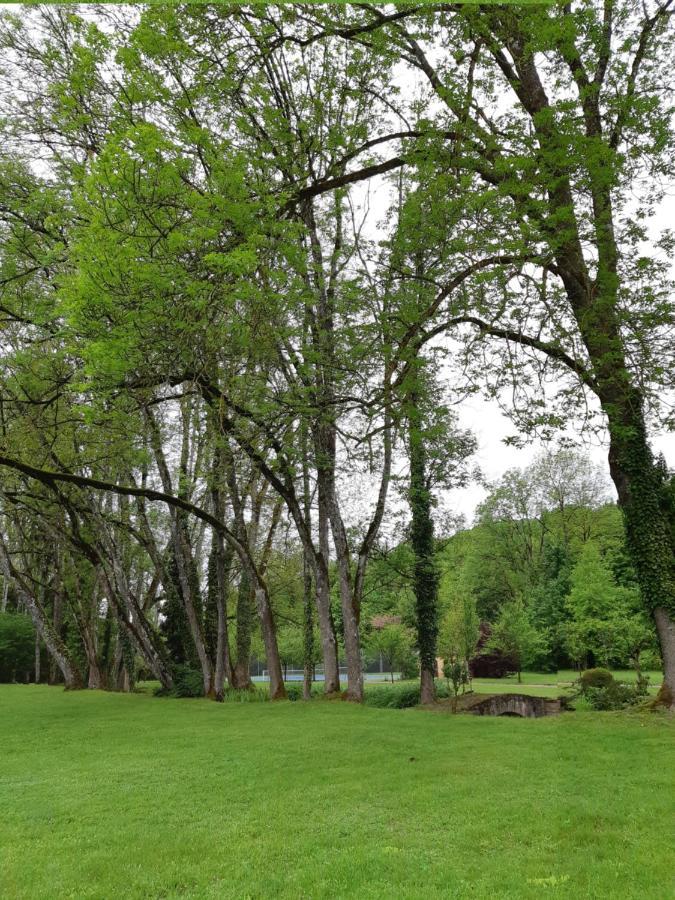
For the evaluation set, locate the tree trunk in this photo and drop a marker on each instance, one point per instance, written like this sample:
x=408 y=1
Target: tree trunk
x=223 y=661
x=648 y=531
x=665 y=627
x=329 y=645
x=350 y=620
x=277 y=688
x=307 y=630
x=37 y=657
x=245 y=599
x=132 y=620
x=184 y=563
x=94 y=676
x=52 y=677
x=422 y=540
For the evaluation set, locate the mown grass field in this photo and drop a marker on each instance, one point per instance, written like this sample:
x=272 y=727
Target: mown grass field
x=109 y=795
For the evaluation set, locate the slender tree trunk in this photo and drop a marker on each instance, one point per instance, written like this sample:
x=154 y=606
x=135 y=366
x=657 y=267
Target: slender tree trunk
x=57 y=600
x=350 y=619
x=245 y=600
x=223 y=661
x=184 y=564
x=277 y=688
x=94 y=675
x=665 y=627
x=132 y=622
x=307 y=630
x=37 y=657
x=329 y=644
x=422 y=540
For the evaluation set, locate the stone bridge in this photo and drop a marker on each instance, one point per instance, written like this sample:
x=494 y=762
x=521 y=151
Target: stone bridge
x=516 y=705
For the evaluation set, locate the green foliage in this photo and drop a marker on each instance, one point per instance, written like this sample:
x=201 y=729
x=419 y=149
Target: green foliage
x=596 y=678
x=605 y=618
x=615 y=695
x=457 y=674
x=399 y=696
x=174 y=624
x=395 y=643
x=604 y=692
x=17 y=646
x=514 y=635
x=187 y=682
x=460 y=629
x=410 y=666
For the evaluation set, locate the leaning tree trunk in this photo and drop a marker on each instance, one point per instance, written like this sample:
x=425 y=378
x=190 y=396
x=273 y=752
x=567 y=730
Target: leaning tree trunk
x=184 y=564
x=350 y=614
x=277 y=688
x=58 y=651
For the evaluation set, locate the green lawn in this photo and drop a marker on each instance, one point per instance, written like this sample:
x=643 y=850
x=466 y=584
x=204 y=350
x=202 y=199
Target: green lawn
x=131 y=796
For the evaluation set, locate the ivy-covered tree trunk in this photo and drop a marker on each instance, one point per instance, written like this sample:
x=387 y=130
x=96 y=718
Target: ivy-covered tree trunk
x=593 y=289
x=220 y=562
x=244 y=619
x=425 y=582
x=648 y=533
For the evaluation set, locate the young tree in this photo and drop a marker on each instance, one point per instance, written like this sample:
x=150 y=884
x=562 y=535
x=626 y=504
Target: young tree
x=514 y=635
x=395 y=643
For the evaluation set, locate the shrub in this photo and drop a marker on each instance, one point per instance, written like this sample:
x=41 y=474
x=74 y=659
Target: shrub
x=650 y=659
x=399 y=696
x=410 y=666
x=294 y=690
x=613 y=695
x=254 y=694
x=187 y=682
x=617 y=695
x=17 y=646
x=596 y=678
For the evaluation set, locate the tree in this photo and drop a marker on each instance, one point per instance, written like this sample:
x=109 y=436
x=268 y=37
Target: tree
x=395 y=643
x=514 y=635
x=460 y=631
x=588 y=128
x=605 y=620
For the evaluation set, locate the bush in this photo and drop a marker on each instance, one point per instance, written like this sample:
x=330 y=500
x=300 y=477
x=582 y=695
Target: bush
x=17 y=647
x=399 y=696
x=187 y=682
x=607 y=694
x=410 y=666
x=651 y=659
x=596 y=678
x=256 y=694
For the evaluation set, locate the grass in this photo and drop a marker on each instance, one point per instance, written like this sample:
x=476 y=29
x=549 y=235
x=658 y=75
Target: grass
x=110 y=795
